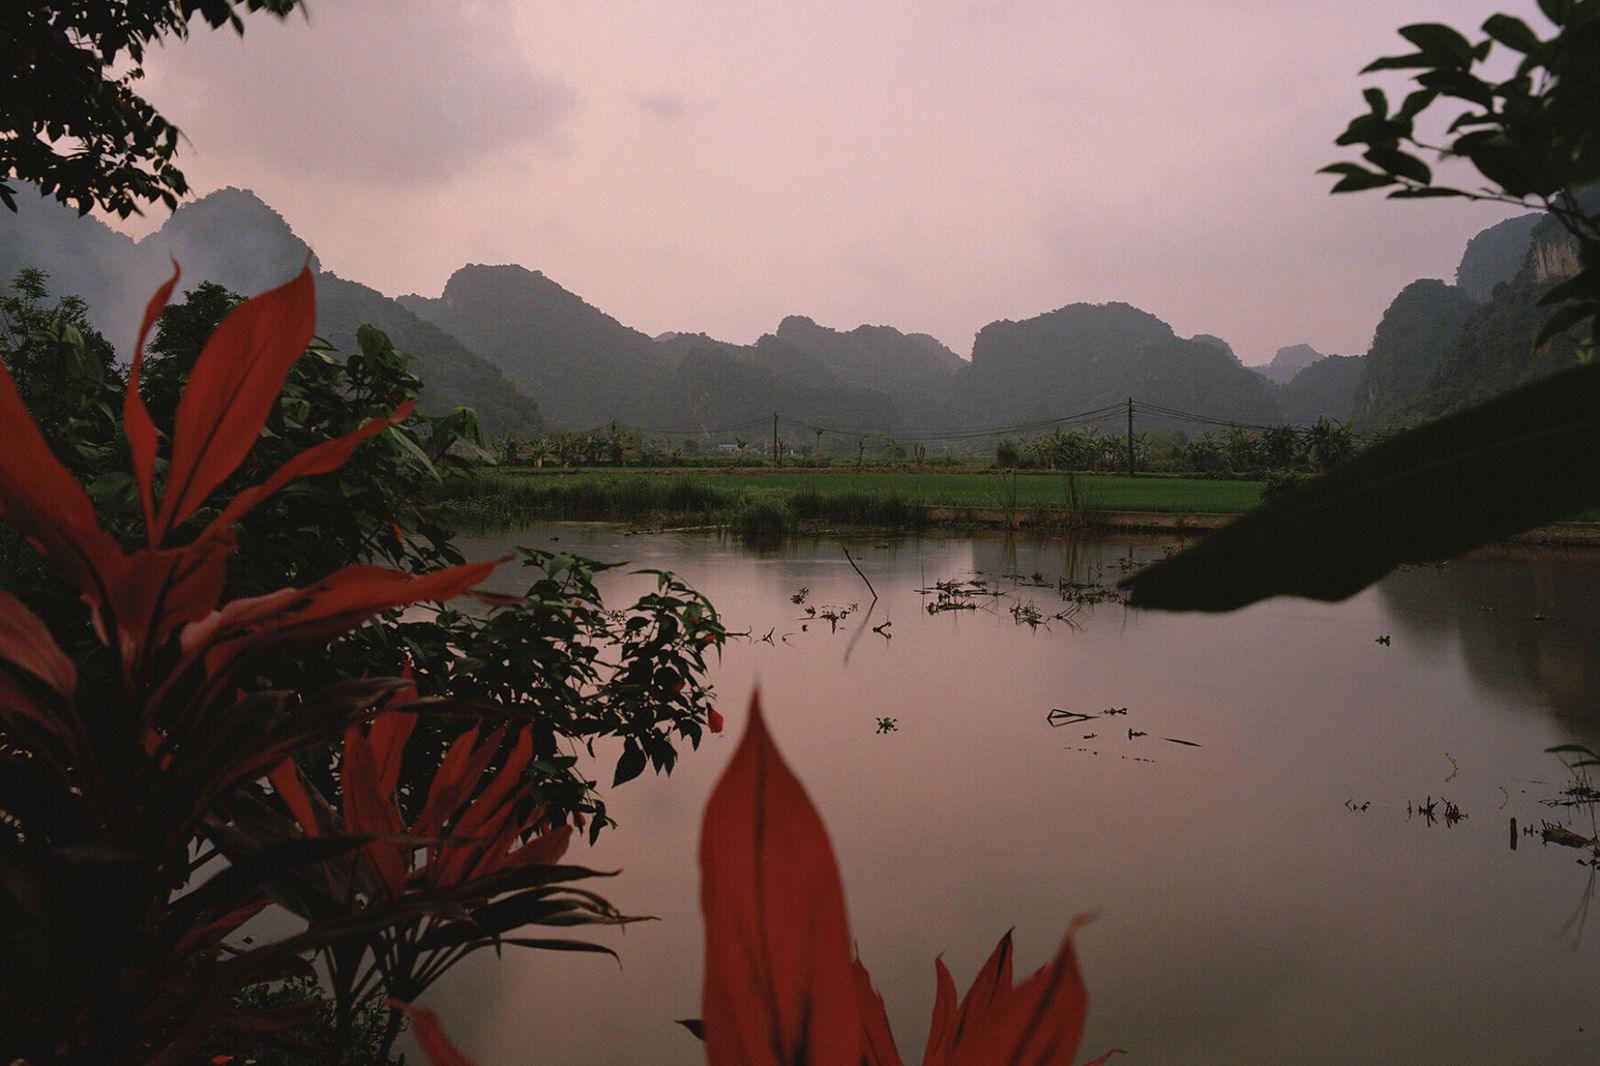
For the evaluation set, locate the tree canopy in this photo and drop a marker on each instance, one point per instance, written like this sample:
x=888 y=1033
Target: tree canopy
x=70 y=120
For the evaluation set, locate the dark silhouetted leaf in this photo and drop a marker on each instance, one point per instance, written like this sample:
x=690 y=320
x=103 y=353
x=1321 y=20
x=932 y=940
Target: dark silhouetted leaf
x=630 y=765
x=1514 y=34
x=1441 y=44
x=1526 y=458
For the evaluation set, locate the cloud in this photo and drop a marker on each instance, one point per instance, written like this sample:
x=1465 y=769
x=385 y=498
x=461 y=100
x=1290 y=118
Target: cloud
x=667 y=106
x=391 y=93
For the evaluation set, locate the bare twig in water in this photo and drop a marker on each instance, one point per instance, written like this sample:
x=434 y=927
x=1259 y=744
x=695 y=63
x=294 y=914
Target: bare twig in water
x=857 y=569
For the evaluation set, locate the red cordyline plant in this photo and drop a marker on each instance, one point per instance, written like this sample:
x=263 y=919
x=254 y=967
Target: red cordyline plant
x=782 y=987
x=122 y=776
x=478 y=851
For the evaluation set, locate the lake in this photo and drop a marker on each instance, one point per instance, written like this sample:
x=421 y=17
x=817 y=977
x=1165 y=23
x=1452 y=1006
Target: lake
x=1294 y=831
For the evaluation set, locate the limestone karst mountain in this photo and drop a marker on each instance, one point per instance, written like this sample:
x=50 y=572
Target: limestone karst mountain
x=1086 y=356
x=1287 y=362
x=1406 y=347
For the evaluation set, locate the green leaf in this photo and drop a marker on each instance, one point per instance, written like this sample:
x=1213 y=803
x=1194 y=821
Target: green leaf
x=1442 y=45
x=1514 y=34
x=1418 y=194
x=1523 y=459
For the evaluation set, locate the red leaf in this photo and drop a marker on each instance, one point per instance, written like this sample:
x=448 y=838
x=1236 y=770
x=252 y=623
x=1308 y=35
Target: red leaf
x=944 y=1014
x=430 y=1036
x=778 y=985
x=335 y=605
x=231 y=391
x=318 y=459
x=458 y=773
x=714 y=720
x=489 y=817
x=368 y=810
x=136 y=422
x=1039 y=1022
x=26 y=642
x=545 y=848
x=387 y=736
x=286 y=782
x=877 y=1041
x=47 y=505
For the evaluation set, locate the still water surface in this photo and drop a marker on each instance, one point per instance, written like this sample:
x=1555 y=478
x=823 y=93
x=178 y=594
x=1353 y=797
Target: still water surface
x=1269 y=892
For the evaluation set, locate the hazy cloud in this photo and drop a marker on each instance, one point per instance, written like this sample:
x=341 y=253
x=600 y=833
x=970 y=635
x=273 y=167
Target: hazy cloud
x=388 y=93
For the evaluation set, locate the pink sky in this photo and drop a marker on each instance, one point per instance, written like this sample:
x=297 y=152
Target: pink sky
x=932 y=165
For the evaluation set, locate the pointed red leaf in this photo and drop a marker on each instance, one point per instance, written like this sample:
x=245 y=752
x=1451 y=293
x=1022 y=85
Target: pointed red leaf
x=388 y=735
x=489 y=820
x=286 y=782
x=545 y=848
x=17 y=702
x=944 y=1016
x=333 y=606
x=368 y=810
x=46 y=504
x=231 y=391
x=136 y=422
x=991 y=985
x=1038 y=1023
x=458 y=773
x=877 y=1041
x=430 y=1036
x=778 y=985
x=26 y=642
x=318 y=459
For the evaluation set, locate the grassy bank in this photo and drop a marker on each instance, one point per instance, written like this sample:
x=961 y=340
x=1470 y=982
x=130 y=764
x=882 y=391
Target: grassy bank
x=784 y=501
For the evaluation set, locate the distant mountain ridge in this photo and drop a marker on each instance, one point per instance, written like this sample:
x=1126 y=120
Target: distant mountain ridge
x=526 y=352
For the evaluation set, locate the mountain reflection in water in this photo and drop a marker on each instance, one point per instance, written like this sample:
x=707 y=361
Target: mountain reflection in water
x=1513 y=616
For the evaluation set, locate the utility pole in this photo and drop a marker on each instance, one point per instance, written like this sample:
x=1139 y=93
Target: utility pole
x=1130 y=436
x=777 y=457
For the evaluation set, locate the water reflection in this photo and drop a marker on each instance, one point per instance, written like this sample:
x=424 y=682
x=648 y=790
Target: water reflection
x=1266 y=891
x=1514 y=616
